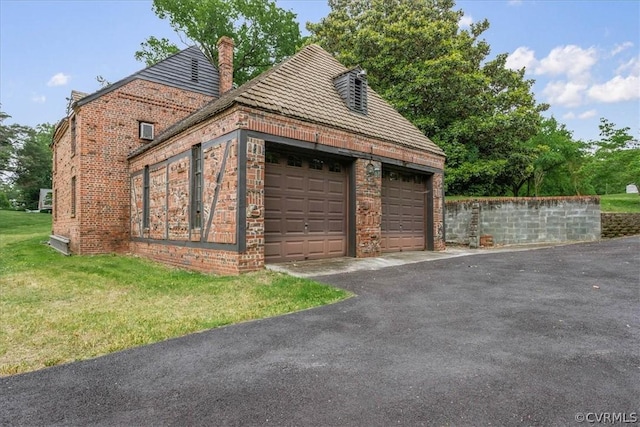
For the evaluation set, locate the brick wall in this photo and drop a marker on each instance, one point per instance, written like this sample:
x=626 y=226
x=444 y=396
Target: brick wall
x=107 y=130
x=249 y=255
x=65 y=167
x=620 y=224
x=511 y=221
x=368 y=210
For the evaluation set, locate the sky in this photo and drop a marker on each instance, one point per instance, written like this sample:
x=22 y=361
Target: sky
x=584 y=55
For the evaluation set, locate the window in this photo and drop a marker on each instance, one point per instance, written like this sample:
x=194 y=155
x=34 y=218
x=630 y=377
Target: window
x=196 y=186
x=271 y=157
x=73 y=196
x=145 y=198
x=55 y=204
x=73 y=135
x=316 y=164
x=294 y=161
x=146 y=131
x=335 y=167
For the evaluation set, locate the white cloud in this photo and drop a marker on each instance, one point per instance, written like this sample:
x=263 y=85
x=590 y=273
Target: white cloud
x=617 y=89
x=521 y=57
x=620 y=47
x=39 y=99
x=59 y=79
x=465 y=21
x=569 y=116
x=632 y=67
x=587 y=114
x=570 y=60
x=514 y=2
x=568 y=94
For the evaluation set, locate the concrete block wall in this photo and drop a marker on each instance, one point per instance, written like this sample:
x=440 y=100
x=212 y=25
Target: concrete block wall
x=510 y=221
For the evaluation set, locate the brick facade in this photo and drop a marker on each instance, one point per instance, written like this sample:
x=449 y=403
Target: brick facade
x=107 y=130
x=204 y=208
x=171 y=159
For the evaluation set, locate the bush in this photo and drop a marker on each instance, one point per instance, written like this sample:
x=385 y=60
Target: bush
x=4 y=201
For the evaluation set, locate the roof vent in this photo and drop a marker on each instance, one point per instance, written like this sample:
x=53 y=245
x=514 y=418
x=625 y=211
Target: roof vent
x=194 y=70
x=352 y=87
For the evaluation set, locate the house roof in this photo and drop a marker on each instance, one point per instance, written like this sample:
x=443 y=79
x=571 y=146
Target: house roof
x=175 y=70
x=302 y=87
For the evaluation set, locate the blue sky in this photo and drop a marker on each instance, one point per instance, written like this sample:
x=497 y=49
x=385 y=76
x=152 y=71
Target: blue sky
x=584 y=55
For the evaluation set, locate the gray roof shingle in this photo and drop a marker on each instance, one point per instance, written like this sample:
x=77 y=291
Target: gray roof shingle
x=302 y=87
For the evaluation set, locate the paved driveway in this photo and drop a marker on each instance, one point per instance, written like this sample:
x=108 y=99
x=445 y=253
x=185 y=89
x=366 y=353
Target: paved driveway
x=531 y=338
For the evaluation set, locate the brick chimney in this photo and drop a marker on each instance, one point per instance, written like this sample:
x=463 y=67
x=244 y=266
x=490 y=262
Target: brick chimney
x=225 y=63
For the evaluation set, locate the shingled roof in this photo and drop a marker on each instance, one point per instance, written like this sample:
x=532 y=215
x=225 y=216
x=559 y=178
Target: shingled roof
x=302 y=87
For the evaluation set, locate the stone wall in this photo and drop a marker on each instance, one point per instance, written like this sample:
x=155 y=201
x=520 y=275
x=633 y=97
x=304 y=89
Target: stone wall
x=510 y=221
x=620 y=224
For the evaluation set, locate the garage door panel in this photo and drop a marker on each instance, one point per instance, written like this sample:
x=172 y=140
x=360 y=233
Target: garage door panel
x=316 y=185
x=336 y=225
x=294 y=183
x=293 y=205
x=403 y=211
x=293 y=225
x=335 y=187
x=316 y=206
x=310 y=222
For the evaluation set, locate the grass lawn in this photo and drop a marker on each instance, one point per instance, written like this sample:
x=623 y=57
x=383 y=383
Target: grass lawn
x=629 y=203
x=56 y=309
x=623 y=203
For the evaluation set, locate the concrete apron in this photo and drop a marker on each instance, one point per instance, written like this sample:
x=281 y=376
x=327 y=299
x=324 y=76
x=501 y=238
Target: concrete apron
x=324 y=267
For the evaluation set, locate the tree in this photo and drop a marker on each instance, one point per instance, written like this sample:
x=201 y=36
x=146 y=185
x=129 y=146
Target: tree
x=438 y=76
x=558 y=161
x=34 y=164
x=11 y=137
x=264 y=34
x=615 y=161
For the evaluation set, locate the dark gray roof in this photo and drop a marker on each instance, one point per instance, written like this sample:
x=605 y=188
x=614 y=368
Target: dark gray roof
x=175 y=71
x=302 y=87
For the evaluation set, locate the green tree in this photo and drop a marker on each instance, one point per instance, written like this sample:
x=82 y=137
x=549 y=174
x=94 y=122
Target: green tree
x=11 y=138
x=558 y=161
x=615 y=161
x=34 y=164
x=264 y=34
x=440 y=78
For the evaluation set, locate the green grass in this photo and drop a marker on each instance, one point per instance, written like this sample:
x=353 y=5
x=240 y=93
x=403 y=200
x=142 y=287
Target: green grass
x=56 y=309
x=624 y=203
x=621 y=203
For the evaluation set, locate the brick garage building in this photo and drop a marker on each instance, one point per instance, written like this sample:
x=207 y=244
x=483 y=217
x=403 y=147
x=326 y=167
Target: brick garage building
x=303 y=162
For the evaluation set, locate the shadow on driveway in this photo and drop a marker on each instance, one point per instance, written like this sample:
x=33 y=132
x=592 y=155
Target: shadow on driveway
x=533 y=337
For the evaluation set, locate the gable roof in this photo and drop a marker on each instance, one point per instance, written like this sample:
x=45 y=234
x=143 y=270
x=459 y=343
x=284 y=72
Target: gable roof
x=175 y=71
x=302 y=87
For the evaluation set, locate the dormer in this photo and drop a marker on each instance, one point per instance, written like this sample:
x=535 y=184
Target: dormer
x=352 y=87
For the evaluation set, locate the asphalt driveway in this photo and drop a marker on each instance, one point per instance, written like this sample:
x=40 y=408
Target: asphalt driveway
x=536 y=337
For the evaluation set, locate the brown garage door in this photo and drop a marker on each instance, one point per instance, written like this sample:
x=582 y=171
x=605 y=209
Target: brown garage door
x=403 y=211
x=305 y=207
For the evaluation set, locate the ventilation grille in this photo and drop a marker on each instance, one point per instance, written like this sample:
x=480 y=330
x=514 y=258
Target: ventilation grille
x=194 y=70
x=146 y=131
x=352 y=87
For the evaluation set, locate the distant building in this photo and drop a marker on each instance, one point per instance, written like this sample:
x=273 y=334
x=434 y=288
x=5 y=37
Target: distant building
x=632 y=189
x=305 y=161
x=45 y=202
